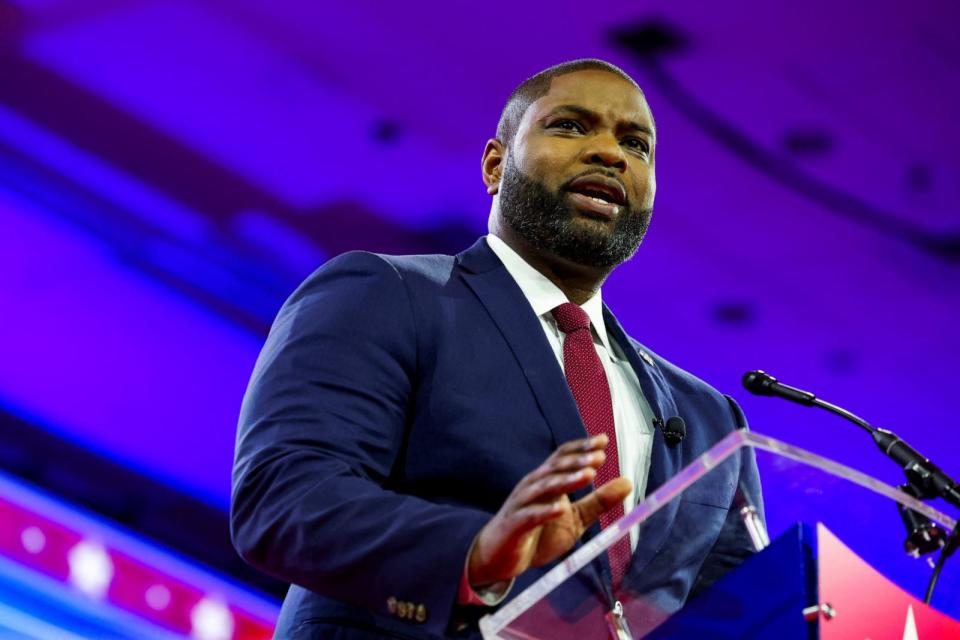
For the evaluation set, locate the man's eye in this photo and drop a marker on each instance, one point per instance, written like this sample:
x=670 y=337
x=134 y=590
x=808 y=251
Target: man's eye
x=637 y=143
x=567 y=125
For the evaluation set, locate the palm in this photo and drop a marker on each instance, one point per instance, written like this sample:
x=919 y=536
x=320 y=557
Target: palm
x=544 y=543
x=558 y=536
x=537 y=524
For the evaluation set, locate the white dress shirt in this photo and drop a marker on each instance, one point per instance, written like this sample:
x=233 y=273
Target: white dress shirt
x=633 y=419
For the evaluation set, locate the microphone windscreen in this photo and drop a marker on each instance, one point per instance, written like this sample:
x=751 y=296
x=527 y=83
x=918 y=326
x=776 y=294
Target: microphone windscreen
x=758 y=382
x=676 y=427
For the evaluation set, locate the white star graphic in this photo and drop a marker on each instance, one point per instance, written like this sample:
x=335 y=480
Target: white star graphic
x=910 y=628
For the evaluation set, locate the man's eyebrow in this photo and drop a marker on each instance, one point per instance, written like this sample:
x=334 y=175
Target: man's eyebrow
x=593 y=115
x=575 y=108
x=637 y=126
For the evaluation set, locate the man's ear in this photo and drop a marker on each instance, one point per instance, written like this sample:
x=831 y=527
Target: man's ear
x=492 y=165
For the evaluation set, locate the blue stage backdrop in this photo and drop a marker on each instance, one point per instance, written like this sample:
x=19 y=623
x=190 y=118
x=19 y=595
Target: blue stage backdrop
x=170 y=170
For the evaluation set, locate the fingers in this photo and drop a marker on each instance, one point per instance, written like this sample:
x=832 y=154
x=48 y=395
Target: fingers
x=569 y=463
x=572 y=456
x=604 y=498
x=584 y=445
x=533 y=515
x=507 y=544
x=554 y=485
x=572 y=466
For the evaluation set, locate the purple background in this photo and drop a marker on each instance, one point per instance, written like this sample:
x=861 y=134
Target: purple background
x=169 y=171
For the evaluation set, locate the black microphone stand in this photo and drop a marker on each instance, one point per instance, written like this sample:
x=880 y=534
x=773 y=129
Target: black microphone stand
x=925 y=480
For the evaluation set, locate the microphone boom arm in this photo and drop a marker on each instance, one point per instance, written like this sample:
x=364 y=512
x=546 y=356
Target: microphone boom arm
x=927 y=477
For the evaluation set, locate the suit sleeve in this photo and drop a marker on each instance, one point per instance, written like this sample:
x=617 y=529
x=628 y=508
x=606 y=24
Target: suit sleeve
x=733 y=545
x=321 y=429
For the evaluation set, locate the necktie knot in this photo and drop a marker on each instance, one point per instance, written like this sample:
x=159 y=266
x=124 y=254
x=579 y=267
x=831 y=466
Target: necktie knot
x=571 y=317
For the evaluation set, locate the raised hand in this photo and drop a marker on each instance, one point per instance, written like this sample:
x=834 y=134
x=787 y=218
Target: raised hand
x=538 y=523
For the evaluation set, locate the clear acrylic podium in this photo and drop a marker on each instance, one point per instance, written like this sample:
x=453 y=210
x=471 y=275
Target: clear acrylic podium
x=857 y=518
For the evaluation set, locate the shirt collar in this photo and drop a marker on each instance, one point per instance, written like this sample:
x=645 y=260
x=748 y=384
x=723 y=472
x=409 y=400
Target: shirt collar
x=541 y=293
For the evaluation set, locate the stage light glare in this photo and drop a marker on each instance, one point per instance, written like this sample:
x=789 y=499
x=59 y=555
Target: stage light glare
x=33 y=539
x=157 y=597
x=211 y=620
x=91 y=569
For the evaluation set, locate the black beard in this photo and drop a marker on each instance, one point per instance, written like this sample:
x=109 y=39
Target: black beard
x=546 y=222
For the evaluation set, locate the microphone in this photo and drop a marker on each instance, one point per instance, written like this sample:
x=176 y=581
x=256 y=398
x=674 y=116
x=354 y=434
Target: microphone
x=674 y=431
x=927 y=477
x=924 y=479
x=763 y=384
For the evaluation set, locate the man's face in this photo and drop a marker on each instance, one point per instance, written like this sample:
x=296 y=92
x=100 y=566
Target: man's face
x=578 y=181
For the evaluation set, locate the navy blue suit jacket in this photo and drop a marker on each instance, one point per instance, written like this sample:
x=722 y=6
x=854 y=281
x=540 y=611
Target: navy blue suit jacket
x=395 y=405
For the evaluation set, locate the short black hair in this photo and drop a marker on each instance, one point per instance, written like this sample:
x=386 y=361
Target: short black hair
x=537 y=86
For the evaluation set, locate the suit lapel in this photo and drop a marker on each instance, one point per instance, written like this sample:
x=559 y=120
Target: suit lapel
x=665 y=461
x=511 y=313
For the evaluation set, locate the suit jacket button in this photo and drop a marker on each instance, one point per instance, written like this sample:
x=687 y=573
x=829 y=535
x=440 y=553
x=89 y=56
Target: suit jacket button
x=392 y=605
x=421 y=613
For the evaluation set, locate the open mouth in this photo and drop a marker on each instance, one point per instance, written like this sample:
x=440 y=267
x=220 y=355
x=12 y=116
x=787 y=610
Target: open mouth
x=604 y=195
x=597 y=195
x=594 y=205
x=601 y=187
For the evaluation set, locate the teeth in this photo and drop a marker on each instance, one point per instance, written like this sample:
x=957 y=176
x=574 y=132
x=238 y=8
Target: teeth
x=600 y=200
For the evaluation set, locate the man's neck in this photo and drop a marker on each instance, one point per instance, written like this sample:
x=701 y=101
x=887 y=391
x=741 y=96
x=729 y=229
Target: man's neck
x=578 y=282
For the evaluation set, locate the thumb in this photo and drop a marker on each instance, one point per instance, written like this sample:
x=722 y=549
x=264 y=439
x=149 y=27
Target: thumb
x=602 y=499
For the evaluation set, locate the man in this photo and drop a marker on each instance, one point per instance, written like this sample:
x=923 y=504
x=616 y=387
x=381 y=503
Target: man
x=423 y=436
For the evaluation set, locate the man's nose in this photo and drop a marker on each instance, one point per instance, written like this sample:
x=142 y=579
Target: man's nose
x=605 y=150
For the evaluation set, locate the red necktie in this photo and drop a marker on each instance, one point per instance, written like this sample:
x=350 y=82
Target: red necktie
x=588 y=382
